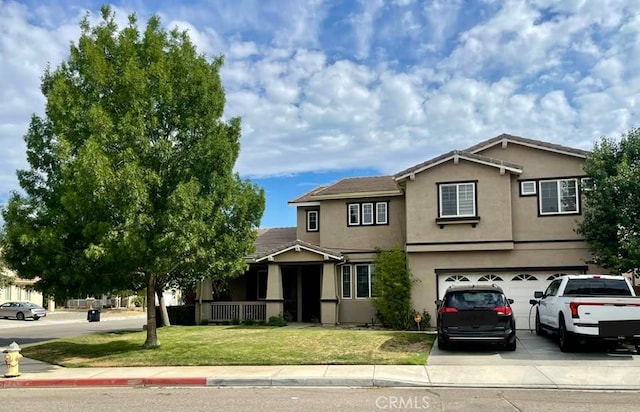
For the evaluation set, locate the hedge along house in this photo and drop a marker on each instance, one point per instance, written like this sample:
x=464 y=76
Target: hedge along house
x=503 y=211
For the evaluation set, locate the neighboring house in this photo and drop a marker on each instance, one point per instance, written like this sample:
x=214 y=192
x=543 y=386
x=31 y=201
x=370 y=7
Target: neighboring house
x=503 y=211
x=20 y=290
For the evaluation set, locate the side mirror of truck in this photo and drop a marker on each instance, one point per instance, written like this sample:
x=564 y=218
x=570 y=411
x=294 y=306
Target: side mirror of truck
x=538 y=294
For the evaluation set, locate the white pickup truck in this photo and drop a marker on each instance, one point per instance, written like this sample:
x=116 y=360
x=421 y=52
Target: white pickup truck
x=582 y=307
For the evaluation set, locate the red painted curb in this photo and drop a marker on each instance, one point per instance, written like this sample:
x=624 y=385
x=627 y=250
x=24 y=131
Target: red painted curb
x=41 y=383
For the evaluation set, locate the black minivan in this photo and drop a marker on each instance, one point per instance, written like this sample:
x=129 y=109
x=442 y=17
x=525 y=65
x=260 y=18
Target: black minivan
x=476 y=313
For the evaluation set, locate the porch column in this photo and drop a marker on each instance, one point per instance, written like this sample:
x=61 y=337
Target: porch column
x=274 y=299
x=204 y=294
x=328 y=296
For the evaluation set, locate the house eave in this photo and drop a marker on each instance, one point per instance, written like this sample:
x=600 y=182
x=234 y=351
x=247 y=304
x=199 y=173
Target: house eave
x=455 y=158
x=358 y=195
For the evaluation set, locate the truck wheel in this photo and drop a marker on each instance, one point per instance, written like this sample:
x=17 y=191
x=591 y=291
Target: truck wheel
x=539 y=330
x=565 y=340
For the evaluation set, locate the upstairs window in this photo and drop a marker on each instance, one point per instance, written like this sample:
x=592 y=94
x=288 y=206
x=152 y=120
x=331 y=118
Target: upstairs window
x=457 y=199
x=312 y=221
x=559 y=197
x=368 y=214
x=354 y=214
x=381 y=213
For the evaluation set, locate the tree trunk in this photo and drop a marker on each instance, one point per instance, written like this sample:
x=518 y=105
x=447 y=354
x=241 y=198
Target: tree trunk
x=152 y=332
x=163 y=308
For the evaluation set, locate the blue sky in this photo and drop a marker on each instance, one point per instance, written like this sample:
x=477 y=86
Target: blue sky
x=329 y=89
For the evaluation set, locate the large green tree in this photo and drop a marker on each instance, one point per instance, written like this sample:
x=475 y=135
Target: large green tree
x=131 y=180
x=611 y=223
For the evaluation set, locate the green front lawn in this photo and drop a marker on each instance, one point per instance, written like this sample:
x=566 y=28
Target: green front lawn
x=238 y=345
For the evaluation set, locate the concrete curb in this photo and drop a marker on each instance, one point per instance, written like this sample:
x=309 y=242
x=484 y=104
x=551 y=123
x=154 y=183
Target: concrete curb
x=254 y=382
x=97 y=382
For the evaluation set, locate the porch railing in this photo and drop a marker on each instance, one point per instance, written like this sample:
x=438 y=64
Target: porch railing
x=230 y=311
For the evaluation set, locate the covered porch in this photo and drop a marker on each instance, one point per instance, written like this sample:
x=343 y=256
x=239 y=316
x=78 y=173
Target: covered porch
x=297 y=281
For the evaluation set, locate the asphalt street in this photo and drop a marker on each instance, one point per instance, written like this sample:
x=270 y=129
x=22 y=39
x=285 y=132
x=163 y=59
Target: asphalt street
x=60 y=325
x=314 y=399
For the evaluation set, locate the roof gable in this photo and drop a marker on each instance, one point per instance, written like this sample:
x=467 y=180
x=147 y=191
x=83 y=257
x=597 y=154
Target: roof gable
x=299 y=245
x=505 y=139
x=456 y=156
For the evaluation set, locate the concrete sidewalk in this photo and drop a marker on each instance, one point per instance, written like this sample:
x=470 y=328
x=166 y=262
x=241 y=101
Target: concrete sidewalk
x=610 y=377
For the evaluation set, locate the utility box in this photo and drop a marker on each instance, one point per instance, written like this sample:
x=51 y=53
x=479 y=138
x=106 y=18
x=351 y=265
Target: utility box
x=93 y=315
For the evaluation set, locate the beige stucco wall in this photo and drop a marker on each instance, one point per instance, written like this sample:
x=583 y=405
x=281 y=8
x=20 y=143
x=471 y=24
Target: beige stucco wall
x=20 y=293
x=301 y=226
x=336 y=234
x=298 y=256
x=494 y=204
x=423 y=265
x=538 y=164
x=356 y=311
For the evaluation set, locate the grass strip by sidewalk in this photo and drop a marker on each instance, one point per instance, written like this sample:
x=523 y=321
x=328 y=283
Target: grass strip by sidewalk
x=237 y=345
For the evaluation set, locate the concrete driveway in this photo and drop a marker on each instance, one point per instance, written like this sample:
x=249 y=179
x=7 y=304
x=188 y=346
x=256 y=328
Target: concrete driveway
x=532 y=350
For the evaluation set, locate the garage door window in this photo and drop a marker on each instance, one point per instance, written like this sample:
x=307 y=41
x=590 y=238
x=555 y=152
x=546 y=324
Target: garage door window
x=524 y=276
x=490 y=278
x=457 y=278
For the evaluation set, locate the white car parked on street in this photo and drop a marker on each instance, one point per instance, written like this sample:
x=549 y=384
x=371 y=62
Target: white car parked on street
x=22 y=310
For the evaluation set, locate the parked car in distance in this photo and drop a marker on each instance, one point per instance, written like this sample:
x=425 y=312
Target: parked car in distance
x=476 y=313
x=22 y=310
x=578 y=308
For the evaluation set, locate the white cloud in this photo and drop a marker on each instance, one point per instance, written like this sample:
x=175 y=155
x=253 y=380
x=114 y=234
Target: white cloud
x=560 y=71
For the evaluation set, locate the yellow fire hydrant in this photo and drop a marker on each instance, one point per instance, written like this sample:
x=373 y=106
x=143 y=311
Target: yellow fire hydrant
x=12 y=359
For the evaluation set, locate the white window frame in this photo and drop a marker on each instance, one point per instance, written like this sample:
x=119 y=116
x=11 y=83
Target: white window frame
x=373 y=218
x=350 y=215
x=386 y=213
x=369 y=280
x=317 y=214
x=532 y=192
x=457 y=185
x=559 y=212
x=342 y=274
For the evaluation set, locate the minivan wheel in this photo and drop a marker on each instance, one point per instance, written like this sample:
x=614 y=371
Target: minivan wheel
x=539 y=330
x=443 y=344
x=511 y=346
x=20 y=316
x=565 y=340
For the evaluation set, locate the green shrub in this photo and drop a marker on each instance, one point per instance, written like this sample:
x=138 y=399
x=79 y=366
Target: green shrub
x=392 y=288
x=249 y=322
x=235 y=321
x=277 y=321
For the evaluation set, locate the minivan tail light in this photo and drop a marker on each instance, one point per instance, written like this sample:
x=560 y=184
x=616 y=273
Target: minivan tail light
x=445 y=309
x=503 y=310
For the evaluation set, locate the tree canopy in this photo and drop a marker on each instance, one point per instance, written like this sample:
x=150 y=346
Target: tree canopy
x=131 y=180
x=611 y=223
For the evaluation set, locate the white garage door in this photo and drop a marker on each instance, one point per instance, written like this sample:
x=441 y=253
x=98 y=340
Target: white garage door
x=518 y=286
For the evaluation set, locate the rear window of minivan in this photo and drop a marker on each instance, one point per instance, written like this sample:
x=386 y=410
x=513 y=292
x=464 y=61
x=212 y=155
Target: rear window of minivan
x=475 y=300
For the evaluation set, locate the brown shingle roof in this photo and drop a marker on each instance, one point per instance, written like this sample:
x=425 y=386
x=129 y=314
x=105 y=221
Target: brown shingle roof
x=350 y=185
x=527 y=141
x=307 y=197
x=361 y=185
x=270 y=239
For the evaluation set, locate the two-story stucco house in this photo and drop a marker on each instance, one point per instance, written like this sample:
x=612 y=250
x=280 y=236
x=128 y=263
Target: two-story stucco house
x=503 y=211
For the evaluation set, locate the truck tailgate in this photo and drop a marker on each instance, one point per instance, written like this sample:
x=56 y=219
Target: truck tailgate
x=586 y=310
